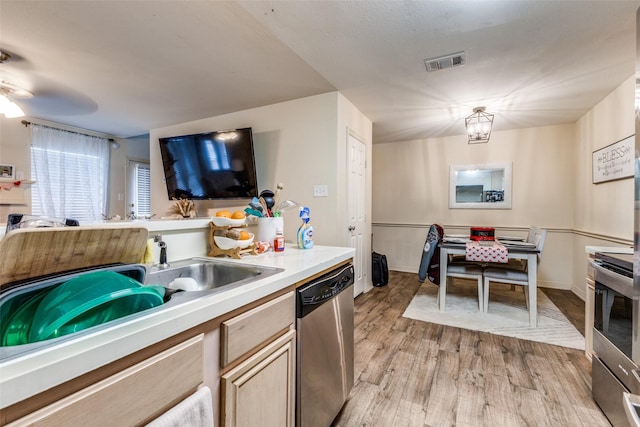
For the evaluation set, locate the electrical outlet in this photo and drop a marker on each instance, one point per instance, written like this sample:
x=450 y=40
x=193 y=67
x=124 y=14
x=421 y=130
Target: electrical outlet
x=320 y=191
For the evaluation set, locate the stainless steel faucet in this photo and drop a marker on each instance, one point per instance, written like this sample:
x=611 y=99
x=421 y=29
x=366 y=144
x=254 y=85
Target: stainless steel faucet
x=163 y=251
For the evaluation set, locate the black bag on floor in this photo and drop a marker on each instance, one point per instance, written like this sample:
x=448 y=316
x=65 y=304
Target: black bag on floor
x=379 y=269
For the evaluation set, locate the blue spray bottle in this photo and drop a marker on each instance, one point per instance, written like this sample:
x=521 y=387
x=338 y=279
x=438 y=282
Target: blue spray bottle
x=305 y=232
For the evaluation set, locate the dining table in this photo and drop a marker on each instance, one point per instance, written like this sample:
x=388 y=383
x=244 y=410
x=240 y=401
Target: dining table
x=516 y=249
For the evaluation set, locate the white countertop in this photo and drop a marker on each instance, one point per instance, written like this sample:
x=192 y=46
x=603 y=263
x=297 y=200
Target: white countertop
x=27 y=374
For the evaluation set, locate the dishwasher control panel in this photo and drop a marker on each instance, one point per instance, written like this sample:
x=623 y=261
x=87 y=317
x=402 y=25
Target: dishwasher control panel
x=324 y=288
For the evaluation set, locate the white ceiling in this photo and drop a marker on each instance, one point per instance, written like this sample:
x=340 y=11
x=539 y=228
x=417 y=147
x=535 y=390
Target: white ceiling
x=124 y=67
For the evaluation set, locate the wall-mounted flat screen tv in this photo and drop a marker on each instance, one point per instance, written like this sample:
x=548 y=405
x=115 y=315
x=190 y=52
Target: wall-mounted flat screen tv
x=210 y=165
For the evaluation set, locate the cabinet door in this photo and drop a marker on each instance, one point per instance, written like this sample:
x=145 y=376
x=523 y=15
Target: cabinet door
x=261 y=390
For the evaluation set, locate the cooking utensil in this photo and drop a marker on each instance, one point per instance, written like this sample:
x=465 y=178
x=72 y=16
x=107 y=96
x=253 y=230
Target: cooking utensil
x=267 y=195
x=253 y=212
x=267 y=212
x=257 y=207
x=276 y=196
x=285 y=205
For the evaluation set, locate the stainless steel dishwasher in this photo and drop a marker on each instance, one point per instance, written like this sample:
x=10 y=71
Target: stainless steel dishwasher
x=324 y=309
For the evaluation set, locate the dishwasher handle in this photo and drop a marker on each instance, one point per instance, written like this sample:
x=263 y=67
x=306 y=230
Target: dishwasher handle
x=322 y=289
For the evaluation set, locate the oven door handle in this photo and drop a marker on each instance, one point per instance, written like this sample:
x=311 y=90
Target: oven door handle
x=619 y=283
x=631 y=403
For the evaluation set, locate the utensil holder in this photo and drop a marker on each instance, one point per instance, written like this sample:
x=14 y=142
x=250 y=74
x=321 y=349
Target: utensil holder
x=267 y=228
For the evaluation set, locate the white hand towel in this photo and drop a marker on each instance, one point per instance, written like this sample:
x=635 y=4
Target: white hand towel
x=195 y=411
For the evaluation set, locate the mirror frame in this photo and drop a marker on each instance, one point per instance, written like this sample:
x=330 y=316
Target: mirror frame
x=505 y=204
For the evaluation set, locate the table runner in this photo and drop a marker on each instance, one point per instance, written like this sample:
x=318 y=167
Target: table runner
x=486 y=252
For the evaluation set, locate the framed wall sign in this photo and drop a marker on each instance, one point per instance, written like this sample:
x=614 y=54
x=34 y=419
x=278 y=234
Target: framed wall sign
x=7 y=171
x=614 y=161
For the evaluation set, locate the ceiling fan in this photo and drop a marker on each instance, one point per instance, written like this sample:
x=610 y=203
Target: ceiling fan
x=25 y=91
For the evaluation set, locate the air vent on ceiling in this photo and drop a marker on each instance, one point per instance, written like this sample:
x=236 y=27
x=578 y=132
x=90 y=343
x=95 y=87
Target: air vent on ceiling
x=448 y=61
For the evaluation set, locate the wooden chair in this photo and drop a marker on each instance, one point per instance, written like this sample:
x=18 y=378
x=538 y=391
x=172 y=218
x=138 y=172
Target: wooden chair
x=464 y=271
x=519 y=264
x=514 y=275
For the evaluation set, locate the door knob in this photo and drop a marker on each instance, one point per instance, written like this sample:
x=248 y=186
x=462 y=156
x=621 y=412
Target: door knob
x=351 y=228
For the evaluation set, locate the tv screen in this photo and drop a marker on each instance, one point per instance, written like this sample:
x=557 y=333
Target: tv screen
x=210 y=165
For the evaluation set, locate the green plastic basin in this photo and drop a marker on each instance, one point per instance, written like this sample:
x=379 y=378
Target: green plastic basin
x=90 y=300
x=15 y=330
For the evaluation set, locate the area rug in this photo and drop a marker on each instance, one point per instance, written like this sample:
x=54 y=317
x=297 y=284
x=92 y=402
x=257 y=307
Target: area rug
x=507 y=314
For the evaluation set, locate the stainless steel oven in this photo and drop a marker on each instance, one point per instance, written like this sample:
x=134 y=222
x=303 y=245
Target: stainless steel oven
x=632 y=400
x=616 y=345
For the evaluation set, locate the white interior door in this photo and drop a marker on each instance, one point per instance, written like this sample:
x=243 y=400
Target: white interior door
x=357 y=156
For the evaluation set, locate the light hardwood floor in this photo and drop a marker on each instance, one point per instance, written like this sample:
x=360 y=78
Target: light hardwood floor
x=412 y=373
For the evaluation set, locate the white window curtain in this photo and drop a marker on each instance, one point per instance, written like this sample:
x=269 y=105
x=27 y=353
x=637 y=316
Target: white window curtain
x=71 y=171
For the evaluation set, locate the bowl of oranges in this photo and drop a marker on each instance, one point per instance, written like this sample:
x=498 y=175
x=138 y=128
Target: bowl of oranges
x=225 y=218
x=238 y=239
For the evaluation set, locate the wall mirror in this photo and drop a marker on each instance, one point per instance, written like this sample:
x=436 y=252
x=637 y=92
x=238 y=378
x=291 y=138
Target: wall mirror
x=486 y=186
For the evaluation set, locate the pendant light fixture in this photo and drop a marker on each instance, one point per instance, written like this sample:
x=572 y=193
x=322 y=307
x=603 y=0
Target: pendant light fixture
x=479 y=126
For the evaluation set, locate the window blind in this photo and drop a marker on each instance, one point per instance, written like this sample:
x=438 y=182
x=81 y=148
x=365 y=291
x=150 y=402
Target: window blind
x=142 y=189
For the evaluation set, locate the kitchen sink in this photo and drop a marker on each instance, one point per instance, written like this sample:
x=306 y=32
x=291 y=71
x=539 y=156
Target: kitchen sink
x=207 y=274
x=83 y=307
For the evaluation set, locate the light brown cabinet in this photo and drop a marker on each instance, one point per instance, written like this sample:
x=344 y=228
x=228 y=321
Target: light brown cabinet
x=131 y=397
x=258 y=354
x=261 y=390
x=248 y=330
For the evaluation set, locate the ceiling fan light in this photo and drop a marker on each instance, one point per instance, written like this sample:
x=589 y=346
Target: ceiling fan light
x=9 y=108
x=13 y=111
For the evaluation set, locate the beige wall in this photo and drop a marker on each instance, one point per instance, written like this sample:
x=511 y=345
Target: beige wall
x=605 y=208
x=411 y=179
x=14 y=150
x=552 y=188
x=603 y=214
x=300 y=143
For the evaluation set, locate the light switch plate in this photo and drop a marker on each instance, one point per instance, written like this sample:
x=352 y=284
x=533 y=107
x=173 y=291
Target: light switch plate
x=320 y=191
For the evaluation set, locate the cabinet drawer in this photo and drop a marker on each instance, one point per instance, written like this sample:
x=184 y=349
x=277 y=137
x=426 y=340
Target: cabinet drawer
x=248 y=330
x=130 y=397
